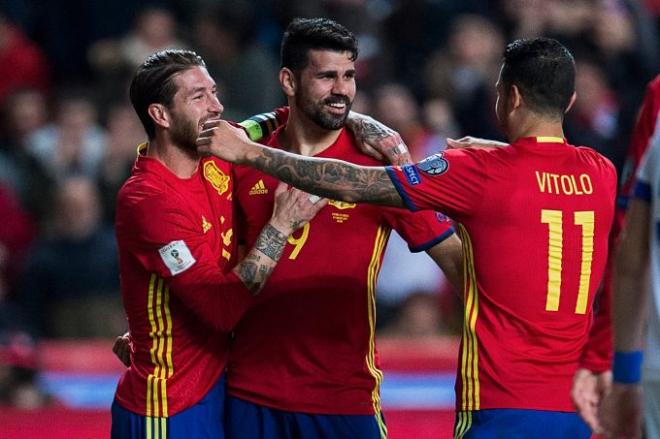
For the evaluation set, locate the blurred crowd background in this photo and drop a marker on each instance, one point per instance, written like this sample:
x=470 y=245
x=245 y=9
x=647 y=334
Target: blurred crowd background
x=427 y=68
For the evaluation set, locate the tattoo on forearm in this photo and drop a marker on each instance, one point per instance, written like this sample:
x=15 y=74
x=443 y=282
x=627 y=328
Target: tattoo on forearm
x=255 y=269
x=330 y=178
x=271 y=242
x=373 y=132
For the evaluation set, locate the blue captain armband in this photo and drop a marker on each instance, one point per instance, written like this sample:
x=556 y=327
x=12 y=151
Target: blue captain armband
x=627 y=367
x=260 y=126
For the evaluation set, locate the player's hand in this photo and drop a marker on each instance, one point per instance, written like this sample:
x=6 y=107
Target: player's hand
x=473 y=142
x=621 y=412
x=294 y=208
x=221 y=139
x=122 y=348
x=587 y=393
x=378 y=140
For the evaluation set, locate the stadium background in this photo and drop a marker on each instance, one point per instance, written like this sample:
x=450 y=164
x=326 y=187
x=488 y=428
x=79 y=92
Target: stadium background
x=68 y=136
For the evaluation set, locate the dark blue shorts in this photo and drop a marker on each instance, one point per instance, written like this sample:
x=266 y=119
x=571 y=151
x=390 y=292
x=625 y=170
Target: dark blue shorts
x=203 y=420
x=519 y=424
x=245 y=420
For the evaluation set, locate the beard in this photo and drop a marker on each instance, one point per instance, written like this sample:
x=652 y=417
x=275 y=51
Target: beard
x=317 y=113
x=184 y=132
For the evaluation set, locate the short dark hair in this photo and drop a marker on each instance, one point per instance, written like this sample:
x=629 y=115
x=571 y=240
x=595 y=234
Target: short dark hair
x=153 y=81
x=304 y=34
x=544 y=72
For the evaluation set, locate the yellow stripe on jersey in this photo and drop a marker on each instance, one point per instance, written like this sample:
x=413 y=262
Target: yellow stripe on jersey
x=160 y=320
x=470 y=396
x=463 y=424
x=382 y=234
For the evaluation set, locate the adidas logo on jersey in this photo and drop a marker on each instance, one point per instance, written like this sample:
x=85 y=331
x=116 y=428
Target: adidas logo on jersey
x=258 y=189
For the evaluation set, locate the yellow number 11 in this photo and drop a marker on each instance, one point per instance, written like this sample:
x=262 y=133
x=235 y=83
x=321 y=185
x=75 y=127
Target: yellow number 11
x=554 y=220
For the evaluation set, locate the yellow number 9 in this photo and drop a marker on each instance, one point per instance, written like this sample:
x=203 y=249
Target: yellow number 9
x=298 y=242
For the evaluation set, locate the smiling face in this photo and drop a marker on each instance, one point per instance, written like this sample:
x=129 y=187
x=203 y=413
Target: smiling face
x=326 y=88
x=194 y=102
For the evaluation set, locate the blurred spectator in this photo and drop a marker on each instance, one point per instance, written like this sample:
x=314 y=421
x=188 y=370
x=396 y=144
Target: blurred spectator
x=124 y=134
x=16 y=235
x=417 y=317
x=19 y=371
x=245 y=73
x=71 y=284
x=74 y=143
x=154 y=29
x=440 y=123
x=396 y=107
x=22 y=63
x=113 y=60
x=24 y=112
x=464 y=72
x=594 y=119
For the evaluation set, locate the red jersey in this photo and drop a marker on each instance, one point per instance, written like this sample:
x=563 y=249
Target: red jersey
x=534 y=220
x=175 y=243
x=598 y=354
x=308 y=343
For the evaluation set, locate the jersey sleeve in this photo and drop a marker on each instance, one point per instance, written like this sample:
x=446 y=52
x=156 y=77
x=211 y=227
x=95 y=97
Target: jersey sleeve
x=452 y=182
x=421 y=230
x=164 y=241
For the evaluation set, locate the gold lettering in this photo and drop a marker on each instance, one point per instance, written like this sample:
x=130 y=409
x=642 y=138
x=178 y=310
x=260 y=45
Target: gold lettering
x=585 y=181
x=541 y=179
x=565 y=180
x=555 y=179
x=575 y=186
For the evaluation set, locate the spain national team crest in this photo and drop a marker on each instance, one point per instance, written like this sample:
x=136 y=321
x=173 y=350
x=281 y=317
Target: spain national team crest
x=341 y=205
x=434 y=165
x=218 y=179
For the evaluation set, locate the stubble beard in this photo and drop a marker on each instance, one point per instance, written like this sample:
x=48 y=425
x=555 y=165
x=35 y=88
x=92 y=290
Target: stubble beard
x=184 y=133
x=316 y=113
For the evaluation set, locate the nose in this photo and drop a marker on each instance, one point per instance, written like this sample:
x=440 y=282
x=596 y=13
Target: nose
x=341 y=87
x=215 y=106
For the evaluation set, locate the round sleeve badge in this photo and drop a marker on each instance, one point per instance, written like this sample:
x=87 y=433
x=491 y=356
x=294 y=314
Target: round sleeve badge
x=434 y=165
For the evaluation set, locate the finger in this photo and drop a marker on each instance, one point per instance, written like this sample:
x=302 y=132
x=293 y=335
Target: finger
x=369 y=150
x=211 y=123
x=452 y=144
x=281 y=188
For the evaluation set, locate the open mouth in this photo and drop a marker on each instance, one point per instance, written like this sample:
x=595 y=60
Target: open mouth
x=336 y=107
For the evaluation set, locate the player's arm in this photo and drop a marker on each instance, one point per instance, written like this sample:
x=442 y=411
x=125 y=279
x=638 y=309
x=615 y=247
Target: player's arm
x=473 y=142
x=620 y=412
x=324 y=177
x=293 y=209
x=448 y=255
x=372 y=137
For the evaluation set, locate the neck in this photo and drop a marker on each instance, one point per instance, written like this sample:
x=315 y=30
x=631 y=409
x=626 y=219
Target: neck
x=302 y=136
x=534 y=125
x=182 y=162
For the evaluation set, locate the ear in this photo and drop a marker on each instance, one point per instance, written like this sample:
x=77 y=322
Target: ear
x=159 y=114
x=288 y=82
x=571 y=102
x=515 y=98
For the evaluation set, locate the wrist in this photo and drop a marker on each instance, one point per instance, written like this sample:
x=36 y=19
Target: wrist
x=627 y=367
x=280 y=226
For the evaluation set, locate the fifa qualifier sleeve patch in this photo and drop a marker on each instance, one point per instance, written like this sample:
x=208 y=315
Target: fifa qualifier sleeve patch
x=177 y=257
x=434 y=165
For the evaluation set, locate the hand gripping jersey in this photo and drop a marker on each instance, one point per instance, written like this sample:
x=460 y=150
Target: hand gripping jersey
x=647 y=189
x=175 y=239
x=534 y=220
x=308 y=343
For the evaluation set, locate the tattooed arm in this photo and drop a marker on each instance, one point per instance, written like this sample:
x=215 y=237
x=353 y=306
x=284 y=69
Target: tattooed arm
x=329 y=178
x=293 y=208
x=377 y=139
